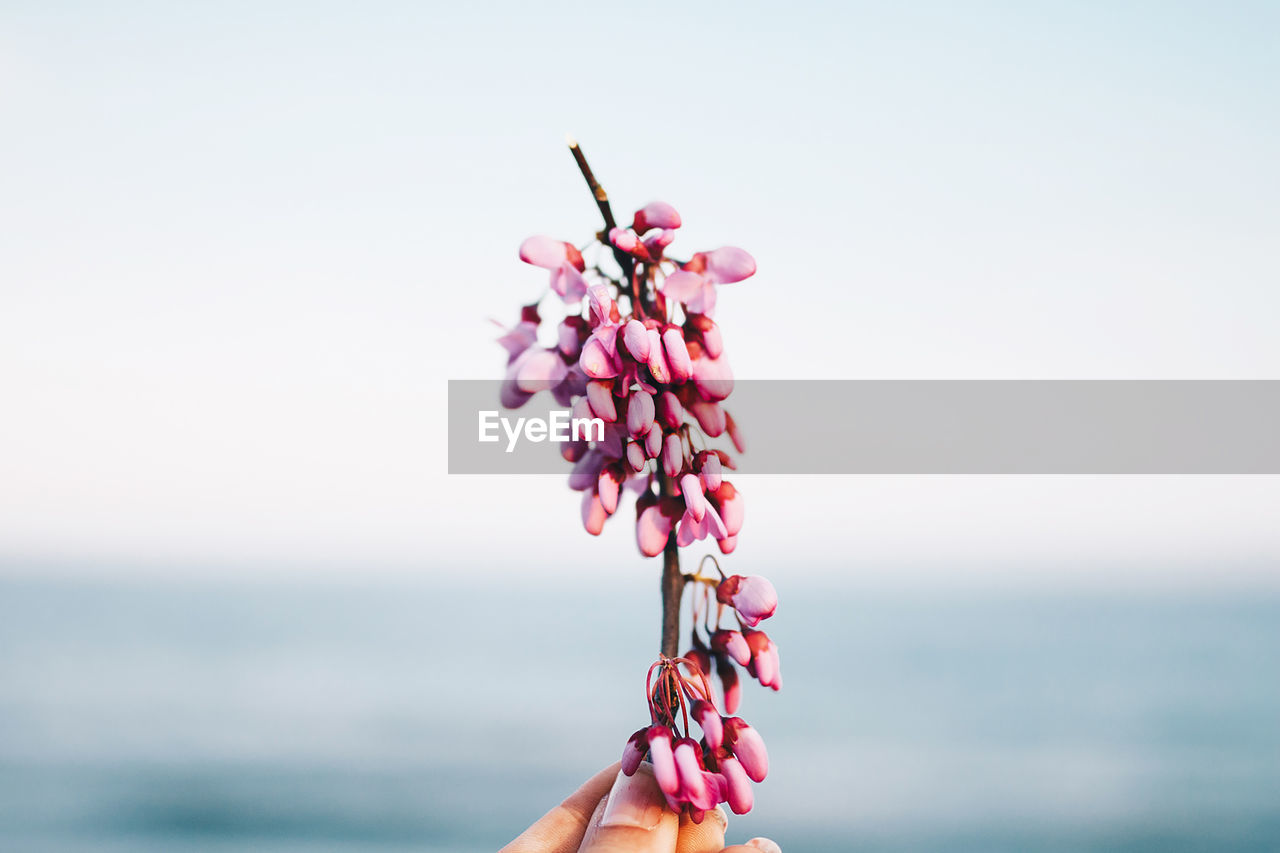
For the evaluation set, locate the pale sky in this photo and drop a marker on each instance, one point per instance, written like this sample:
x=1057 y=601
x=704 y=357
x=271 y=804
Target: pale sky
x=242 y=249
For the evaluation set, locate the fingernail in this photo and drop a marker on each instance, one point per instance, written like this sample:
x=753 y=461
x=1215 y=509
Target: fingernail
x=765 y=844
x=634 y=801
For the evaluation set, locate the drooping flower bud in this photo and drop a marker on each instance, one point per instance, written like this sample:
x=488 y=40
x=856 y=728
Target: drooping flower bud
x=652 y=530
x=677 y=354
x=694 y=500
x=600 y=399
x=748 y=747
x=593 y=513
x=635 y=337
x=730 y=684
x=633 y=753
x=655 y=214
x=640 y=413
x=752 y=596
x=733 y=644
x=737 y=785
x=664 y=763
x=708 y=719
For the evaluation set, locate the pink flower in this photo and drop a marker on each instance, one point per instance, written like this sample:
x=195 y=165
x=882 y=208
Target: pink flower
x=563 y=260
x=593 y=513
x=765 y=664
x=633 y=753
x=636 y=339
x=729 y=684
x=751 y=595
x=748 y=747
x=662 y=758
x=724 y=265
x=733 y=644
x=655 y=214
x=694 y=500
x=652 y=530
x=708 y=719
x=737 y=785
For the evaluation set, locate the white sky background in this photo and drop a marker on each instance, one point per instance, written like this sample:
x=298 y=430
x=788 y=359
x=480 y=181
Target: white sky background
x=242 y=250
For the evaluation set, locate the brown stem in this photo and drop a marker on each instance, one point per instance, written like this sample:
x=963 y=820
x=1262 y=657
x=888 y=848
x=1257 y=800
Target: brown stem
x=673 y=580
x=606 y=211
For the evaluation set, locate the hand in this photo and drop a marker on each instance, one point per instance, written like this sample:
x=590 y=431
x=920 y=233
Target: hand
x=613 y=813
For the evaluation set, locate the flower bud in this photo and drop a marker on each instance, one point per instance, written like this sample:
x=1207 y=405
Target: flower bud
x=655 y=214
x=732 y=644
x=748 y=748
x=709 y=720
x=660 y=755
x=736 y=786
x=633 y=753
x=752 y=596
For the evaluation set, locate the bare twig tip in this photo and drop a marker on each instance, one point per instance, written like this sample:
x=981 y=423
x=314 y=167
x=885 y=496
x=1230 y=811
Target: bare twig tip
x=573 y=143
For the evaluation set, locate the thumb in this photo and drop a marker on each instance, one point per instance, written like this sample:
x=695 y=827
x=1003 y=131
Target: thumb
x=632 y=818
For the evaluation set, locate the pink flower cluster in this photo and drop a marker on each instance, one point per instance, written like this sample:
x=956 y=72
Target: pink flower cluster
x=639 y=350
x=697 y=775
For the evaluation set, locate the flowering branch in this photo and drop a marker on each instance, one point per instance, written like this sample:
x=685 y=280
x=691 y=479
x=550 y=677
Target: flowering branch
x=653 y=378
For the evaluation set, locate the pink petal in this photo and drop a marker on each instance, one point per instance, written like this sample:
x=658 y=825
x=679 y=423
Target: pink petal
x=712 y=342
x=710 y=417
x=733 y=644
x=540 y=370
x=624 y=238
x=633 y=753
x=636 y=338
x=704 y=302
x=710 y=472
x=692 y=786
x=677 y=354
x=672 y=455
x=715 y=525
x=601 y=304
x=713 y=377
x=694 y=499
x=737 y=786
x=728 y=264
x=593 y=513
x=682 y=286
x=709 y=721
x=659 y=241
x=608 y=487
x=640 y=414
x=732 y=507
x=748 y=748
x=600 y=399
x=544 y=252
x=568 y=341
x=653 y=442
x=635 y=456
x=729 y=684
x=596 y=360
x=663 y=760
x=669 y=411
x=519 y=338
x=652 y=530
x=568 y=283
x=753 y=597
x=656 y=214
x=657 y=361
x=727 y=544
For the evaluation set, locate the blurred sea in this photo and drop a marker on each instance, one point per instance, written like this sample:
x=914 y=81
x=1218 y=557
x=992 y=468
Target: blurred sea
x=292 y=716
